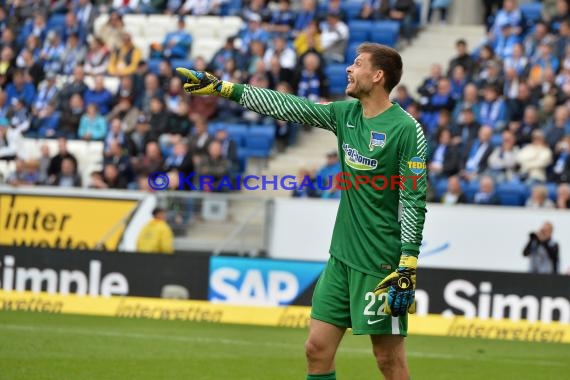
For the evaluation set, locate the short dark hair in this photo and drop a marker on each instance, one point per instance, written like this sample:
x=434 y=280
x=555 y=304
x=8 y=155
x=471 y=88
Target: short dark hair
x=157 y=210
x=461 y=42
x=386 y=59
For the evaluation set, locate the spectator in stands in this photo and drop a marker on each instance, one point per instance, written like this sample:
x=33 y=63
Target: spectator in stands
x=561 y=14
x=334 y=38
x=229 y=149
x=76 y=86
x=18 y=114
x=486 y=57
x=99 y=96
x=113 y=178
x=277 y=74
x=556 y=130
x=440 y=6
x=43 y=164
x=543 y=61
x=156 y=236
x=539 y=198
x=112 y=31
x=311 y=83
x=25 y=174
x=446 y=158
x=454 y=195
x=124 y=60
x=255 y=54
x=54 y=168
x=486 y=194
x=47 y=93
x=73 y=54
x=176 y=44
x=97 y=57
x=563 y=196
x=34 y=26
x=125 y=111
x=332 y=6
x=505 y=42
x=528 y=125
x=282 y=19
x=85 y=13
x=503 y=161
x=534 y=158
x=542 y=251
x=226 y=52
x=561 y=168
x=518 y=61
x=72 y=27
x=180 y=159
x=305 y=185
x=493 y=109
x=285 y=132
x=200 y=7
x=429 y=86
x=403 y=97
x=139 y=137
x=20 y=88
x=563 y=41
x=469 y=100
x=206 y=106
x=10 y=141
x=92 y=125
x=458 y=82
x=441 y=100
x=509 y=14
x=491 y=76
x=213 y=165
x=279 y=49
x=402 y=11
x=52 y=52
x=253 y=32
x=7 y=66
x=463 y=58
x=309 y=40
x=178 y=124
x=199 y=140
x=152 y=89
x=68 y=176
x=305 y=16
x=331 y=168
x=477 y=154
x=72 y=110
x=516 y=106
x=467 y=129
x=231 y=70
x=540 y=36
x=152 y=160
x=46 y=123
x=117 y=156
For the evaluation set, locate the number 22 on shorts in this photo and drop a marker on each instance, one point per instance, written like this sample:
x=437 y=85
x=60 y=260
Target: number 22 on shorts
x=371 y=309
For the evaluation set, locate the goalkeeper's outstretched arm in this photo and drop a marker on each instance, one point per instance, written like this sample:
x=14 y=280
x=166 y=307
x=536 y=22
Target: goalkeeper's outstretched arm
x=278 y=105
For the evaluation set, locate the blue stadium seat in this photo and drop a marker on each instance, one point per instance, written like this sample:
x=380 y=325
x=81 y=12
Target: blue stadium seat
x=336 y=73
x=231 y=8
x=56 y=22
x=497 y=139
x=440 y=188
x=385 y=32
x=552 y=190
x=181 y=63
x=259 y=141
x=532 y=12
x=511 y=194
x=469 y=189
x=351 y=52
x=359 y=30
x=238 y=133
x=154 y=65
x=352 y=9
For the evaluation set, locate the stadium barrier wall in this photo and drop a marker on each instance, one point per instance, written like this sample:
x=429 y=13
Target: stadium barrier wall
x=455 y=237
x=273 y=283
x=291 y=316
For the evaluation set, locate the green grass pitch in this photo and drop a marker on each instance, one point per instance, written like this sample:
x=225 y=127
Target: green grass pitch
x=37 y=346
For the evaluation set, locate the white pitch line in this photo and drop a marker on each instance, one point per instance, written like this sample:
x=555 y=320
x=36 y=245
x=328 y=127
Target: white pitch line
x=238 y=342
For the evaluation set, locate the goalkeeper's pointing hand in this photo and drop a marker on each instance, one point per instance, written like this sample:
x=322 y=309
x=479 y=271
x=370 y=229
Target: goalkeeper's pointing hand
x=400 y=286
x=203 y=83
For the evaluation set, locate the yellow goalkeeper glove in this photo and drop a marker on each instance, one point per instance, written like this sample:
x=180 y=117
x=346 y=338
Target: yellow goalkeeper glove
x=203 y=83
x=401 y=287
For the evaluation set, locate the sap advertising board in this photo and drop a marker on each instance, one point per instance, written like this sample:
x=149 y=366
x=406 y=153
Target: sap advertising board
x=260 y=281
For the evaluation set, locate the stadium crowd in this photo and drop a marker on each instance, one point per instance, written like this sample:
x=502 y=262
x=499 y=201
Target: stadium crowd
x=495 y=115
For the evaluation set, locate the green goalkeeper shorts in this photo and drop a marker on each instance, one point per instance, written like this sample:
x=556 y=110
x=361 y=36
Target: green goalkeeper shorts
x=344 y=297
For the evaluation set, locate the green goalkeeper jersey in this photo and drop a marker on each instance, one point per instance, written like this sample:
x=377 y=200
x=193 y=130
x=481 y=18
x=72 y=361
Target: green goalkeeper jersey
x=374 y=224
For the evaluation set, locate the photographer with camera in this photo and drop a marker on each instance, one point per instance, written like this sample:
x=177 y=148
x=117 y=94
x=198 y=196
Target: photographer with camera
x=542 y=250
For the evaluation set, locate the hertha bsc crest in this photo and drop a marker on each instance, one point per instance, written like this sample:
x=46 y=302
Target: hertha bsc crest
x=377 y=139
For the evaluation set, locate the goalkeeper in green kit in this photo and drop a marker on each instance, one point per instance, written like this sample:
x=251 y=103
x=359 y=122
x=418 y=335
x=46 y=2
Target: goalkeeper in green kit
x=369 y=281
